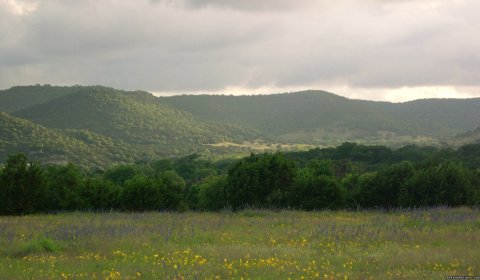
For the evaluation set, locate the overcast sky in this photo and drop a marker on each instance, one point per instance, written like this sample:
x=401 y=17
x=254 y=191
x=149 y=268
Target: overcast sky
x=369 y=49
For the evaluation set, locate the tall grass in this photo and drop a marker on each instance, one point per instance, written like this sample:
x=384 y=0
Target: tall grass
x=429 y=243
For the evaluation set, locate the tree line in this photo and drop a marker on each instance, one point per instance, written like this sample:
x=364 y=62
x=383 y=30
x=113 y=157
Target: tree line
x=350 y=176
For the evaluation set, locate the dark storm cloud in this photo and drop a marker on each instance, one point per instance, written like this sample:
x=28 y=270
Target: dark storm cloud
x=189 y=45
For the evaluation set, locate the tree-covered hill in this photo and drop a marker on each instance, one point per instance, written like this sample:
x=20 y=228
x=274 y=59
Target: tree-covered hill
x=57 y=146
x=137 y=118
x=468 y=137
x=277 y=114
x=134 y=117
x=84 y=147
x=320 y=117
x=97 y=126
x=21 y=97
x=439 y=117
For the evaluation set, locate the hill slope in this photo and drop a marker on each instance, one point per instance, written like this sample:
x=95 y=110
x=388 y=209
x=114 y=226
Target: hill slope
x=148 y=125
x=439 y=117
x=134 y=117
x=469 y=137
x=99 y=125
x=319 y=117
x=21 y=97
x=57 y=146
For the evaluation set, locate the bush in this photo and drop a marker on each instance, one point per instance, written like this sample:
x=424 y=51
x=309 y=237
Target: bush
x=211 y=193
x=172 y=191
x=260 y=181
x=38 y=246
x=22 y=186
x=64 y=188
x=101 y=194
x=312 y=192
x=141 y=193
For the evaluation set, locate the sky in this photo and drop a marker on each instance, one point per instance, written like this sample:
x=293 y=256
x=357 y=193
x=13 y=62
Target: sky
x=393 y=50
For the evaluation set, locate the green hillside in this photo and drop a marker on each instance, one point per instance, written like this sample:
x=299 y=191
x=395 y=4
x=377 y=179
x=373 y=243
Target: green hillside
x=319 y=117
x=469 y=137
x=86 y=148
x=96 y=126
x=118 y=125
x=57 y=146
x=133 y=117
x=439 y=117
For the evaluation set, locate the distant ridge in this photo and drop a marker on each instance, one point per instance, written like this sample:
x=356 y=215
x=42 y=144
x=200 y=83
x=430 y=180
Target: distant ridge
x=320 y=117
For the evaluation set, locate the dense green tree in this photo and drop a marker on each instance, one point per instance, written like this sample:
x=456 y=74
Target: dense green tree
x=211 y=193
x=121 y=173
x=313 y=190
x=162 y=165
x=382 y=189
x=350 y=183
x=65 y=184
x=448 y=184
x=342 y=168
x=321 y=167
x=470 y=154
x=419 y=190
x=172 y=191
x=191 y=196
x=141 y=193
x=414 y=153
x=319 y=181
x=363 y=192
x=193 y=168
x=101 y=194
x=260 y=181
x=475 y=198
x=454 y=184
x=22 y=186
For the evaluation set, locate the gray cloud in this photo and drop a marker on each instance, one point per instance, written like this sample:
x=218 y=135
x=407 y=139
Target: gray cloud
x=245 y=5
x=202 y=45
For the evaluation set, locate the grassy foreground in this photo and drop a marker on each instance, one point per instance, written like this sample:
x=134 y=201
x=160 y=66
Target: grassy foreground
x=253 y=244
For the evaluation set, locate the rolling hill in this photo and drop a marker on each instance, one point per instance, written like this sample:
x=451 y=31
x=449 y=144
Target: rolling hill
x=132 y=125
x=133 y=117
x=21 y=97
x=84 y=147
x=319 y=117
x=57 y=146
x=96 y=126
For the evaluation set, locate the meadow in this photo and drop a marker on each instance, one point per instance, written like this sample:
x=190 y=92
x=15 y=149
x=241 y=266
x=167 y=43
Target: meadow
x=251 y=244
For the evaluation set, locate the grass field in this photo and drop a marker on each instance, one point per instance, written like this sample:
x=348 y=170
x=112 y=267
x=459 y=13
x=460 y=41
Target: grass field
x=253 y=244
